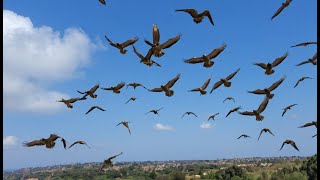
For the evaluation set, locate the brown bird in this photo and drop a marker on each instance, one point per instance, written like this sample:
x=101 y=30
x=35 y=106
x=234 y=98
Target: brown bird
x=108 y=162
x=131 y=99
x=202 y=88
x=229 y=98
x=154 y=111
x=49 y=142
x=95 y=107
x=233 y=110
x=134 y=85
x=225 y=81
x=301 y=79
x=123 y=45
x=90 y=92
x=146 y=59
x=115 y=89
x=126 y=124
x=205 y=59
x=257 y=112
x=293 y=144
x=269 y=66
x=312 y=123
x=284 y=5
x=157 y=47
x=166 y=88
x=212 y=116
x=310 y=60
x=287 y=108
x=244 y=135
x=267 y=91
x=304 y=44
x=102 y=2
x=197 y=17
x=68 y=102
x=188 y=113
x=265 y=130
x=79 y=142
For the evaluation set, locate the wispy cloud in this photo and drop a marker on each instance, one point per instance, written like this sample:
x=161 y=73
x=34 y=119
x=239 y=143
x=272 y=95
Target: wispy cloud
x=206 y=125
x=9 y=141
x=161 y=127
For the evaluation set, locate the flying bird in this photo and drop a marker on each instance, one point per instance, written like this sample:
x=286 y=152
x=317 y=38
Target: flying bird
x=115 y=89
x=157 y=47
x=202 y=88
x=108 y=162
x=293 y=144
x=284 y=5
x=198 y=17
x=270 y=66
x=287 y=108
x=131 y=99
x=79 y=142
x=265 y=130
x=95 y=107
x=68 y=102
x=233 y=110
x=134 y=85
x=314 y=135
x=122 y=45
x=257 y=112
x=64 y=143
x=312 y=123
x=301 y=79
x=310 y=60
x=155 y=111
x=146 y=59
x=90 y=92
x=206 y=59
x=304 y=44
x=188 y=113
x=102 y=2
x=166 y=88
x=126 y=124
x=244 y=136
x=229 y=98
x=267 y=91
x=48 y=142
x=212 y=116
x=225 y=81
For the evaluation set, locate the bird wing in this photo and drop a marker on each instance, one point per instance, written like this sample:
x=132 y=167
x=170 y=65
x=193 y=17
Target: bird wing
x=192 y=12
x=282 y=145
x=137 y=53
x=129 y=42
x=34 y=143
x=81 y=92
x=112 y=157
x=98 y=107
x=260 y=134
x=128 y=101
x=107 y=88
x=205 y=85
x=258 y=91
x=149 y=54
x=172 y=81
x=215 y=86
x=157 y=64
x=156 y=90
x=229 y=113
x=263 y=105
x=110 y=42
x=102 y=2
x=194 y=114
x=270 y=132
x=94 y=88
x=120 y=85
x=279 y=60
x=314 y=135
x=160 y=109
x=276 y=84
x=240 y=136
x=87 y=145
x=195 y=89
x=149 y=43
x=170 y=42
x=307 y=125
x=119 y=123
x=214 y=53
x=293 y=144
x=194 y=60
x=315 y=56
x=304 y=62
x=155 y=34
x=73 y=144
x=284 y=111
x=262 y=65
x=278 y=11
x=129 y=130
x=64 y=143
x=207 y=13
x=292 y=105
x=297 y=83
x=233 y=74
x=247 y=113
x=183 y=114
x=53 y=137
x=92 y=108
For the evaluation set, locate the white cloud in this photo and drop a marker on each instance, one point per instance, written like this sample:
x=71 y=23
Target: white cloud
x=36 y=57
x=206 y=125
x=161 y=127
x=9 y=141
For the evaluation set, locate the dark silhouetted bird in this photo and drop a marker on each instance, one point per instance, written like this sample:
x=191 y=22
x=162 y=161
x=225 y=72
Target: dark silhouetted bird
x=312 y=123
x=188 y=113
x=284 y=5
x=301 y=79
x=64 y=143
x=287 y=108
x=131 y=99
x=304 y=44
x=115 y=89
x=312 y=60
x=244 y=136
x=166 y=88
x=257 y=112
x=233 y=110
x=79 y=142
x=225 y=81
x=270 y=66
x=102 y=2
x=134 y=85
x=212 y=116
x=48 y=142
x=126 y=124
x=265 y=130
x=90 y=92
x=108 y=162
x=197 y=17
x=155 y=111
x=229 y=98
x=267 y=91
x=68 y=102
x=122 y=45
x=293 y=144
x=202 y=88
x=95 y=107
x=314 y=135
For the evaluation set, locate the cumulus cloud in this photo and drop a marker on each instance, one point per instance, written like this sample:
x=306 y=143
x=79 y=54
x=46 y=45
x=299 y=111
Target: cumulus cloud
x=205 y=125
x=161 y=127
x=35 y=58
x=9 y=141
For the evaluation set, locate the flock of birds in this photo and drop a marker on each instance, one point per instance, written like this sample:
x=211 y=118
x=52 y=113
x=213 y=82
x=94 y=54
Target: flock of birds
x=156 y=50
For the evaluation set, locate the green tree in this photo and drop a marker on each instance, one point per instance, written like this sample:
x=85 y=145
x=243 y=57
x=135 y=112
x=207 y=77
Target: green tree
x=153 y=175
x=309 y=167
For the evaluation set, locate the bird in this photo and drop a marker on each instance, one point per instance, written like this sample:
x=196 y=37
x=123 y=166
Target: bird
x=270 y=66
x=267 y=91
x=48 y=142
x=284 y=5
x=304 y=44
x=225 y=81
x=257 y=112
x=293 y=144
x=115 y=89
x=287 y=108
x=102 y=2
x=146 y=59
x=64 y=143
x=310 y=60
x=188 y=113
x=265 y=130
x=198 y=17
x=206 y=59
x=301 y=79
x=233 y=110
x=134 y=85
x=95 y=107
x=229 y=98
x=154 y=111
x=126 y=124
x=314 y=135
x=212 y=116
x=166 y=88
x=108 y=162
x=312 y=123
x=122 y=45
x=131 y=99
x=244 y=135
x=79 y=142
x=202 y=88
x=157 y=47
x=68 y=102
x=90 y=92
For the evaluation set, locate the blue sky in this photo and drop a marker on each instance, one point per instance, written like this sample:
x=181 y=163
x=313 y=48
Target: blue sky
x=53 y=48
